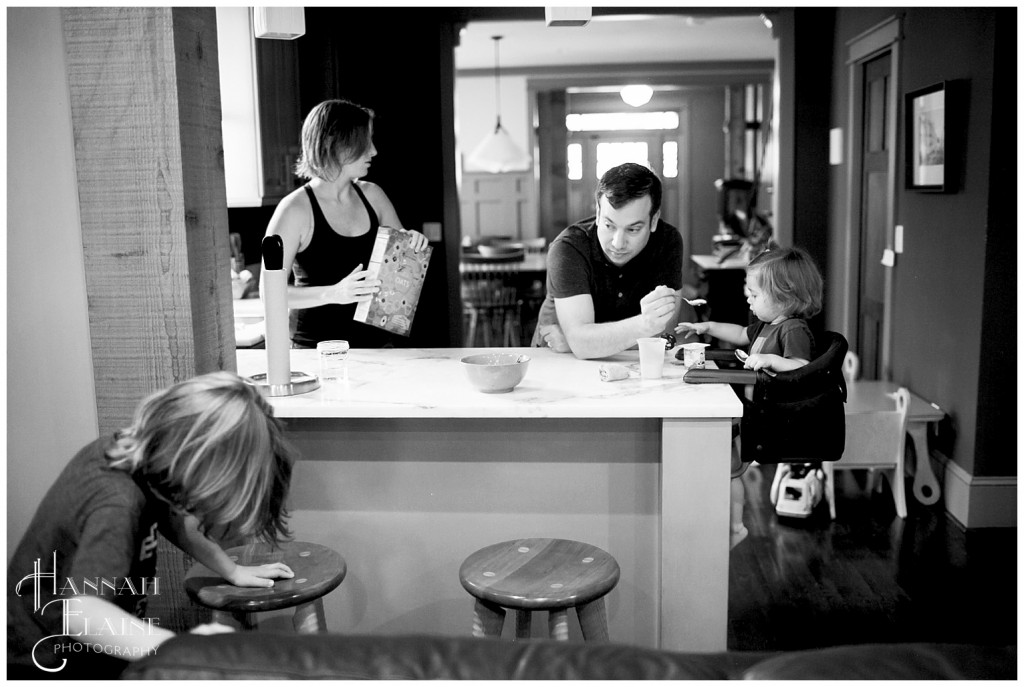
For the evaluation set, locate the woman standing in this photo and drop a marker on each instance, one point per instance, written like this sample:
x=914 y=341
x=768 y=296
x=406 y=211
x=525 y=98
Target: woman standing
x=328 y=227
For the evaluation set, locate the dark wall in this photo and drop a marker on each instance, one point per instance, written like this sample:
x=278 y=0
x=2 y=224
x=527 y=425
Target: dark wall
x=401 y=65
x=706 y=108
x=813 y=31
x=997 y=397
x=956 y=245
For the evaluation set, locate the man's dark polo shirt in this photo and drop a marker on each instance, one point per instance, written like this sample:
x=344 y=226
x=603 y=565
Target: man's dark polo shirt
x=577 y=265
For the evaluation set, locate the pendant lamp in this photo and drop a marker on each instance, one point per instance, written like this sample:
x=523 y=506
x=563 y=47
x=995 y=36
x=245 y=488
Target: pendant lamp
x=498 y=152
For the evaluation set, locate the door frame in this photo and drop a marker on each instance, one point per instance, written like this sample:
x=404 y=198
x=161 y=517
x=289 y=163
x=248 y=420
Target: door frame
x=881 y=38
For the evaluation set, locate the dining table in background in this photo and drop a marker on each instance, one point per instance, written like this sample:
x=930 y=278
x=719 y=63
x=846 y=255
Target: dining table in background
x=413 y=469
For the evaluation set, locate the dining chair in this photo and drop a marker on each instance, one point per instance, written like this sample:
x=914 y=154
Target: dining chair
x=491 y=303
x=851 y=367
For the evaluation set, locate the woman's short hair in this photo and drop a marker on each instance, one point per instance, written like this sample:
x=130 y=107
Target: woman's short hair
x=790 y=278
x=211 y=446
x=334 y=133
x=628 y=182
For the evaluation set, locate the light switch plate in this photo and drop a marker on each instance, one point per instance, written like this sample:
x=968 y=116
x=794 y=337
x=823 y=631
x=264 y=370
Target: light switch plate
x=835 y=146
x=897 y=239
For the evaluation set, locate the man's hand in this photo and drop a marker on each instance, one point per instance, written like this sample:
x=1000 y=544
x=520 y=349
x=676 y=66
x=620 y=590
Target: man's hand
x=554 y=337
x=657 y=310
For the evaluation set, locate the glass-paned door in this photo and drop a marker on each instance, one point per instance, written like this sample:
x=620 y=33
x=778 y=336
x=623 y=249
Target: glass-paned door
x=590 y=154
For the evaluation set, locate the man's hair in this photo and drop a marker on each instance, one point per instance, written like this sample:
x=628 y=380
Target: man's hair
x=790 y=278
x=628 y=182
x=334 y=133
x=211 y=447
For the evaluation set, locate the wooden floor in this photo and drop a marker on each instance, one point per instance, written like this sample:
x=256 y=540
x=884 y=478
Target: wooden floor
x=868 y=576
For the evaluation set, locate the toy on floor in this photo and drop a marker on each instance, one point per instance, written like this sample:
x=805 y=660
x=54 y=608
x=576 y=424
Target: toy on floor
x=798 y=490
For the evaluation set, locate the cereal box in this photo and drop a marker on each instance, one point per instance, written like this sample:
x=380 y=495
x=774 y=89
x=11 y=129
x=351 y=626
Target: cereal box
x=401 y=272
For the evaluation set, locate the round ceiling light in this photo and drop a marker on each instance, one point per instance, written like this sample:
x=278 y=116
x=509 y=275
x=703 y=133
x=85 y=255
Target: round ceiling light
x=636 y=95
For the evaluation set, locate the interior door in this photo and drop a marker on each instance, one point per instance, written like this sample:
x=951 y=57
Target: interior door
x=875 y=189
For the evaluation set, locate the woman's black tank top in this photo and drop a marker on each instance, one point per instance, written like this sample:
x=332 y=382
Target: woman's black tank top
x=328 y=259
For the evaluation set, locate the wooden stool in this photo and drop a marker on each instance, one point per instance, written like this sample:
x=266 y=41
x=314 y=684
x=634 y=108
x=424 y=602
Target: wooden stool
x=318 y=570
x=551 y=575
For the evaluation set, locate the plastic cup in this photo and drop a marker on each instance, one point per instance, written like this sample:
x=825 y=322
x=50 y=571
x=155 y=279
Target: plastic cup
x=333 y=368
x=693 y=355
x=652 y=357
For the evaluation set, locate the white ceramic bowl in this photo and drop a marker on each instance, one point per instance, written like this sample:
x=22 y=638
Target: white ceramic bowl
x=500 y=250
x=495 y=373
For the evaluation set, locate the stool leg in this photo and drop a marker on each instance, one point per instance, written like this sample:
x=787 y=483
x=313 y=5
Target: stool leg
x=593 y=621
x=487 y=619
x=523 y=621
x=558 y=624
x=309 y=618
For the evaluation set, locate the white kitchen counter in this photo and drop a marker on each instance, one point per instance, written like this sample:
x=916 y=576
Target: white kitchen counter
x=431 y=383
x=416 y=470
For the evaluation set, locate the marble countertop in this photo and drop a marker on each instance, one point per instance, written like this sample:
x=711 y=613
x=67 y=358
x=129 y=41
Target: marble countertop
x=426 y=383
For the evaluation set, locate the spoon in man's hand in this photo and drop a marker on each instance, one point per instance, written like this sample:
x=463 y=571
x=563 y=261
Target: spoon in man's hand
x=696 y=301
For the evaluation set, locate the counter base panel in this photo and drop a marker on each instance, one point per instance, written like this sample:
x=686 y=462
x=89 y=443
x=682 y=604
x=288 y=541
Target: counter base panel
x=405 y=501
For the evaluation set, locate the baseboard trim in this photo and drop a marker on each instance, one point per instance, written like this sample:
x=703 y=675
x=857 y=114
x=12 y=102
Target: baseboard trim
x=977 y=502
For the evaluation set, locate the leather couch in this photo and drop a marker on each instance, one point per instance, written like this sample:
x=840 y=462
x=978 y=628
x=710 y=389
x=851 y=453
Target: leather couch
x=258 y=655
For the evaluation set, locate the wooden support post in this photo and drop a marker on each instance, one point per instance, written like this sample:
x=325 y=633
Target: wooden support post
x=145 y=105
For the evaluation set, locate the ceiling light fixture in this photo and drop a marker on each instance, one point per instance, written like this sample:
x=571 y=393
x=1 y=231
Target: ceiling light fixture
x=567 y=16
x=636 y=95
x=498 y=152
x=281 y=23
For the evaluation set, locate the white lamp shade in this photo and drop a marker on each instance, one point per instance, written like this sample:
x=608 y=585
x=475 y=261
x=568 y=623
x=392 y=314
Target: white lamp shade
x=499 y=153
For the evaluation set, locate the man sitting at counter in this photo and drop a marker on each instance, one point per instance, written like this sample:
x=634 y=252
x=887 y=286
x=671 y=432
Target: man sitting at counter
x=615 y=277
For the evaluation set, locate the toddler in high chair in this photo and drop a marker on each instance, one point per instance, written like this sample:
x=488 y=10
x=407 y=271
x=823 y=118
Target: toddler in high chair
x=783 y=288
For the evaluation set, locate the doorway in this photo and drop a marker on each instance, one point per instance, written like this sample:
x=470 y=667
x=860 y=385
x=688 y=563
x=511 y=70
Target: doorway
x=873 y=69
x=876 y=174
x=590 y=154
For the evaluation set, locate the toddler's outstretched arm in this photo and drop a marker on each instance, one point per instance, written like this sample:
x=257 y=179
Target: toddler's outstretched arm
x=732 y=333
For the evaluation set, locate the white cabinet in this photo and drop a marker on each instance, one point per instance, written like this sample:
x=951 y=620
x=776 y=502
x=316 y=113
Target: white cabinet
x=260 y=120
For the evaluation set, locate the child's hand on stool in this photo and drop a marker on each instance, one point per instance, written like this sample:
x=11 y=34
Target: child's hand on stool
x=258 y=575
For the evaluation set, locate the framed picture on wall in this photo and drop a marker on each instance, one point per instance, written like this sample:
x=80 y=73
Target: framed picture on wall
x=928 y=158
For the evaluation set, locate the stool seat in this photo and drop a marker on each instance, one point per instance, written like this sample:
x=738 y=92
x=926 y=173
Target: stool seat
x=318 y=570
x=538 y=574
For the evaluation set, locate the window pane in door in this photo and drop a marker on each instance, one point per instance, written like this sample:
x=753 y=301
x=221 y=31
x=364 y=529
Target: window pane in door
x=670 y=159
x=615 y=153
x=622 y=121
x=574 y=158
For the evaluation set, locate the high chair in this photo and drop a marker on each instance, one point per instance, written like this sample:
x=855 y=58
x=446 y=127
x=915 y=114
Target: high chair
x=790 y=417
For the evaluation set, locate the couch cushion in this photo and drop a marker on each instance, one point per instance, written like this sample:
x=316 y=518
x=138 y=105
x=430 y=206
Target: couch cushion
x=260 y=655
x=890 y=662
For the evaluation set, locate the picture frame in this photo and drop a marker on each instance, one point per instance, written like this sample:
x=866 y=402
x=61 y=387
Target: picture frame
x=929 y=153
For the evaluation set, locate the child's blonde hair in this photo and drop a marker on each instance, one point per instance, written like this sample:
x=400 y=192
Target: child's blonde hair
x=211 y=446
x=789 y=277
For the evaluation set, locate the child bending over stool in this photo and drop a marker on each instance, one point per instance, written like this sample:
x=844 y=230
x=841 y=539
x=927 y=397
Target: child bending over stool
x=204 y=453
